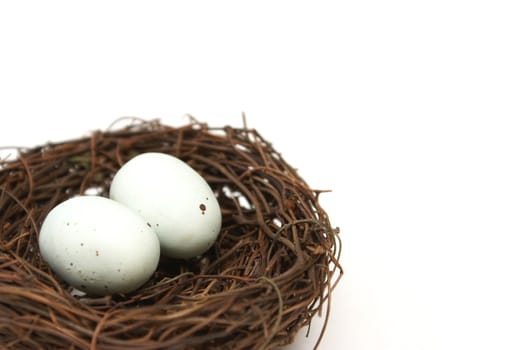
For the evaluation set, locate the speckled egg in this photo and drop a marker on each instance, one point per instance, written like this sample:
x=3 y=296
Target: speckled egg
x=174 y=199
x=98 y=245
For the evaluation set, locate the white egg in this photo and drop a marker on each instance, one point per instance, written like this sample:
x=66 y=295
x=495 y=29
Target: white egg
x=99 y=246
x=174 y=199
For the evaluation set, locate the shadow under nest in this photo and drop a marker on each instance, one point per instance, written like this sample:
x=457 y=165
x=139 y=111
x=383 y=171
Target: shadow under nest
x=271 y=270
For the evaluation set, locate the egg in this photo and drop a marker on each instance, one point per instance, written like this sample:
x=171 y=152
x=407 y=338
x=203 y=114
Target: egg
x=98 y=245
x=171 y=196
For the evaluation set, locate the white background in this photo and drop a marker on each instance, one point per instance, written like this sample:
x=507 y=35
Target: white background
x=410 y=111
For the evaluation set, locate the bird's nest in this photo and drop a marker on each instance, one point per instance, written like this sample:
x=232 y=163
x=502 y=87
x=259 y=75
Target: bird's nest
x=271 y=270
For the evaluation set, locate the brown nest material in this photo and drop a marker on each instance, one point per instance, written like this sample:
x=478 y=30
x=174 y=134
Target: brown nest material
x=271 y=270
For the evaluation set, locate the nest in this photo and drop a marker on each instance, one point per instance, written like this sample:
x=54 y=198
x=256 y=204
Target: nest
x=271 y=270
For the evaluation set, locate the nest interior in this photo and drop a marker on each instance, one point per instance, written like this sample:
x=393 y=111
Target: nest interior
x=271 y=270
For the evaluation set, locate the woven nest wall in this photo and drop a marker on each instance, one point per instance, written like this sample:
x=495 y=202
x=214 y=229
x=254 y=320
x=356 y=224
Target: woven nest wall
x=271 y=270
